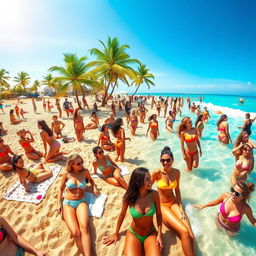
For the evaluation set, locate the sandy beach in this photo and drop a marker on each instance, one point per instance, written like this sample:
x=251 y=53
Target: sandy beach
x=40 y=224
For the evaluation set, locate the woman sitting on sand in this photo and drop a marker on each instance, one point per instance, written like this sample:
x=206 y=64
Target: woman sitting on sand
x=199 y=124
x=153 y=127
x=111 y=172
x=127 y=110
x=144 y=204
x=247 y=124
x=174 y=216
x=170 y=120
x=12 y=244
x=243 y=166
x=34 y=174
x=233 y=206
x=110 y=120
x=25 y=142
x=94 y=122
x=13 y=119
x=119 y=134
x=79 y=124
x=223 y=129
x=5 y=159
x=104 y=139
x=54 y=153
x=2 y=130
x=57 y=127
x=74 y=207
x=133 y=123
x=189 y=134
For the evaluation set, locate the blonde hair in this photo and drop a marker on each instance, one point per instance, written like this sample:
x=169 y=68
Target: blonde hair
x=71 y=160
x=182 y=125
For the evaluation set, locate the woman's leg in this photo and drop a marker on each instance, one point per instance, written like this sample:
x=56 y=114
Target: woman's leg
x=33 y=156
x=108 y=147
x=172 y=221
x=117 y=152
x=83 y=220
x=117 y=175
x=69 y=215
x=43 y=175
x=151 y=247
x=132 y=246
x=195 y=160
x=189 y=161
x=5 y=167
x=122 y=151
x=54 y=155
x=153 y=135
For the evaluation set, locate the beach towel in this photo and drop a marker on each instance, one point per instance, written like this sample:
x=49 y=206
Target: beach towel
x=37 y=190
x=96 y=205
x=99 y=174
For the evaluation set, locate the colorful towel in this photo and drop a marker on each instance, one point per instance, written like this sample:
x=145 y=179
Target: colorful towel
x=99 y=174
x=96 y=204
x=37 y=190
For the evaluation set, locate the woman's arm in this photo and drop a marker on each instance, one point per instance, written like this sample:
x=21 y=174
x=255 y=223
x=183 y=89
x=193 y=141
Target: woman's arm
x=61 y=189
x=211 y=203
x=89 y=178
x=24 y=183
x=235 y=149
x=9 y=150
x=148 y=128
x=177 y=190
x=112 y=162
x=250 y=216
x=99 y=139
x=227 y=132
x=182 y=145
x=154 y=176
x=158 y=128
x=252 y=143
x=31 y=139
x=95 y=167
x=245 y=123
x=158 y=219
x=63 y=125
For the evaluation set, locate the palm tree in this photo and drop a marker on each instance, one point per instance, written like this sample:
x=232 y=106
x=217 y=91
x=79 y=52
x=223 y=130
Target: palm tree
x=4 y=77
x=35 y=86
x=73 y=75
x=49 y=81
x=22 y=80
x=142 y=76
x=112 y=64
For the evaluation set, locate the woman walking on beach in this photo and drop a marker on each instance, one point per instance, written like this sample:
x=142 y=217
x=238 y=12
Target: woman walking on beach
x=127 y=110
x=223 y=129
x=189 y=134
x=12 y=244
x=34 y=174
x=25 y=142
x=79 y=124
x=133 y=123
x=57 y=104
x=94 y=122
x=13 y=119
x=247 y=124
x=54 y=153
x=206 y=115
x=74 y=207
x=153 y=127
x=170 y=120
x=144 y=204
x=110 y=170
x=113 y=108
x=57 y=127
x=104 y=139
x=5 y=159
x=199 y=124
x=34 y=106
x=173 y=214
x=119 y=134
x=233 y=206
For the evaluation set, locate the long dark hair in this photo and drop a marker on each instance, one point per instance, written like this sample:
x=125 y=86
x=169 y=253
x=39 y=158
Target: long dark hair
x=221 y=119
x=199 y=118
x=11 y=111
x=151 y=117
x=15 y=160
x=116 y=126
x=45 y=127
x=167 y=150
x=135 y=183
x=95 y=150
x=103 y=127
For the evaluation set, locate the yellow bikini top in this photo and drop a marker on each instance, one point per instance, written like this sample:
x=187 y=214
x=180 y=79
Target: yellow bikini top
x=162 y=185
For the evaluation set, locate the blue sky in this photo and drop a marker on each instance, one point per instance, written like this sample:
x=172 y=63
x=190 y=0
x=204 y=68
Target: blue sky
x=197 y=46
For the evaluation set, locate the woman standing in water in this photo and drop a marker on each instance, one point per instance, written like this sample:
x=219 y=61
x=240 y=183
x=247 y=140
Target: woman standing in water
x=189 y=134
x=199 y=124
x=153 y=127
x=144 y=203
x=174 y=216
x=222 y=126
x=233 y=206
x=247 y=124
x=133 y=123
x=170 y=120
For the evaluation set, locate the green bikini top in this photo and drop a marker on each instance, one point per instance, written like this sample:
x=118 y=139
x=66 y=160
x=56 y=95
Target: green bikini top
x=136 y=215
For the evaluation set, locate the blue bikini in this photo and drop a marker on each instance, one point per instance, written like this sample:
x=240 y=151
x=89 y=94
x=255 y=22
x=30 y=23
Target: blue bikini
x=74 y=203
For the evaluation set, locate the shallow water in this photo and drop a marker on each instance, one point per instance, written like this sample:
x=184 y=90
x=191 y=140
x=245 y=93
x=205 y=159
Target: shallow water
x=207 y=182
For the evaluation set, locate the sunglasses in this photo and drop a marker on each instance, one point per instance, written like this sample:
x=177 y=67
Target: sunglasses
x=100 y=152
x=168 y=160
x=247 y=150
x=237 y=194
x=79 y=163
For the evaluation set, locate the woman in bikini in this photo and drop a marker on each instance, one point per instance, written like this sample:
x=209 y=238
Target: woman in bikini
x=144 y=204
x=57 y=127
x=113 y=108
x=104 y=139
x=244 y=165
x=174 y=216
x=143 y=112
x=13 y=119
x=54 y=153
x=222 y=127
x=94 y=122
x=74 y=208
x=26 y=138
x=57 y=104
x=158 y=108
x=119 y=134
x=12 y=244
x=5 y=159
x=133 y=123
x=199 y=124
x=34 y=174
x=110 y=120
x=17 y=111
x=127 y=110
x=206 y=115
x=153 y=127
x=189 y=134
x=79 y=124
x=247 y=124
x=233 y=206
x=110 y=170
x=170 y=120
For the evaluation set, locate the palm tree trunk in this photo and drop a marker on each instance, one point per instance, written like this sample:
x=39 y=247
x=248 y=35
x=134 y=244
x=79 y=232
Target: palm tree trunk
x=77 y=99
x=136 y=90
x=96 y=96
x=105 y=94
x=112 y=91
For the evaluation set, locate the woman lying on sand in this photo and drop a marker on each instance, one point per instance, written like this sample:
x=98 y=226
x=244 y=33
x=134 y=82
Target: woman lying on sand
x=12 y=244
x=74 y=207
x=25 y=142
x=144 y=204
x=34 y=174
x=104 y=139
x=5 y=159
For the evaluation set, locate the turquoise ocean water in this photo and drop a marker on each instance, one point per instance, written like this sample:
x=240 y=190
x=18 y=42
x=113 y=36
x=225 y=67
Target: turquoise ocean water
x=213 y=175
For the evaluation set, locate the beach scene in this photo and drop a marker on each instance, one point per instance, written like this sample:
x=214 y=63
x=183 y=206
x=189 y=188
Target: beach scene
x=127 y=128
